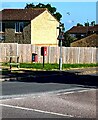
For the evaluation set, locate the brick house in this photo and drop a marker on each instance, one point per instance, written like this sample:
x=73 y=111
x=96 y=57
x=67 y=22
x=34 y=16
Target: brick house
x=89 y=41
x=28 y=26
x=86 y=36
x=83 y=31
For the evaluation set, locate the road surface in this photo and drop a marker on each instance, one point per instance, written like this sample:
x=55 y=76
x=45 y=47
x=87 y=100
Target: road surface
x=69 y=96
x=74 y=104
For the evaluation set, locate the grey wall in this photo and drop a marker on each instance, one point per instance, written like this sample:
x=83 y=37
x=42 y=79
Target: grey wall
x=21 y=38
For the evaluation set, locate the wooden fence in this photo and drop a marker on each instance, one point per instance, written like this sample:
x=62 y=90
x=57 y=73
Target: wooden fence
x=69 y=54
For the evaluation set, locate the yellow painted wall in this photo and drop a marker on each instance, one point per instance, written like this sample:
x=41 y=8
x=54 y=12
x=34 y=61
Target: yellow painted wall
x=44 y=30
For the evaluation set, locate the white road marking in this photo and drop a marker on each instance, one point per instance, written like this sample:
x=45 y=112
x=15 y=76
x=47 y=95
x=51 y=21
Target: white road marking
x=36 y=110
x=76 y=91
x=7 y=97
x=57 y=92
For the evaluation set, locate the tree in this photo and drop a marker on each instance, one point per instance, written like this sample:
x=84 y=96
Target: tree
x=31 y=5
x=40 y=5
x=86 y=24
x=51 y=9
x=67 y=39
x=92 y=23
x=57 y=15
x=78 y=24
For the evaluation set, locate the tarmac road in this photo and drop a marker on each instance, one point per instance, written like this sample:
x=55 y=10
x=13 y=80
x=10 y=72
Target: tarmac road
x=46 y=81
x=22 y=88
x=74 y=104
x=13 y=112
x=67 y=96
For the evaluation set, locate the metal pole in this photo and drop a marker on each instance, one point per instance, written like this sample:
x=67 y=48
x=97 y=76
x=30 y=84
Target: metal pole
x=10 y=62
x=43 y=60
x=60 y=59
x=60 y=38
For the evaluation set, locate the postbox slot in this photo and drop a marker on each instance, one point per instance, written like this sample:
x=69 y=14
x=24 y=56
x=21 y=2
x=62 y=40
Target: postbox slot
x=34 y=57
x=43 y=51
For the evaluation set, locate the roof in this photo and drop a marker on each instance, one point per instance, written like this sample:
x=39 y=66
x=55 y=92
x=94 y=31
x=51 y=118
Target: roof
x=21 y=14
x=83 y=29
x=90 y=41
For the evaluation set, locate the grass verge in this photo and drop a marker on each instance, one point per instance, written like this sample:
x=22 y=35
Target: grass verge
x=48 y=66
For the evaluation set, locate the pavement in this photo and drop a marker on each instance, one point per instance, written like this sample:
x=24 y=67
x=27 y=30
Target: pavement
x=85 y=71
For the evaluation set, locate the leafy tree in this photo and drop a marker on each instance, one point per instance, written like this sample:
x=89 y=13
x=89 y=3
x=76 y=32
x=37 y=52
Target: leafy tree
x=86 y=24
x=40 y=5
x=67 y=39
x=92 y=23
x=51 y=9
x=78 y=24
x=57 y=15
x=31 y=5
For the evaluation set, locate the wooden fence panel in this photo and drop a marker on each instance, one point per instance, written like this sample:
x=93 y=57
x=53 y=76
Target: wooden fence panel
x=69 y=54
x=97 y=55
x=7 y=49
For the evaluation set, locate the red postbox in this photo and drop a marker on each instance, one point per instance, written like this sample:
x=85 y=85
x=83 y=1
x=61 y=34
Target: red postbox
x=43 y=51
x=34 y=57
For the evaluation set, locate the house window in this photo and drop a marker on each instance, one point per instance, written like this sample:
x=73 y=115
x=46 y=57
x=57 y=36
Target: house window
x=2 y=38
x=19 y=26
x=2 y=27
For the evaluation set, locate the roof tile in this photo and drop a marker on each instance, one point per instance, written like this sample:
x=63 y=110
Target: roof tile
x=82 y=29
x=20 y=14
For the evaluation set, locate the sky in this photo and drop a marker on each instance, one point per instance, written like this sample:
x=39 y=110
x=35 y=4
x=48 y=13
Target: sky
x=79 y=12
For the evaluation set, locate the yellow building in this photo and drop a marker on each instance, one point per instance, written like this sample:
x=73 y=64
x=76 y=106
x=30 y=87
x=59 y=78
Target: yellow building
x=44 y=29
x=29 y=26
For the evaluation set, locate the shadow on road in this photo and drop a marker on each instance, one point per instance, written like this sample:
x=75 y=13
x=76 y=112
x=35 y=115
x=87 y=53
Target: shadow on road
x=65 y=77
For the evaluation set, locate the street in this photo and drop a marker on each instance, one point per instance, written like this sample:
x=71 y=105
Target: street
x=42 y=100
x=22 y=88
x=48 y=60
x=74 y=104
x=52 y=96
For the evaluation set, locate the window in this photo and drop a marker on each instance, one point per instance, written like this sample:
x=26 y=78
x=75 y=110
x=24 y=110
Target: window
x=2 y=27
x=19 y=26
x=2 y=38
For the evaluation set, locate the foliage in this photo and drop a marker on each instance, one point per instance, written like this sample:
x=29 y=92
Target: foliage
x=57 y=15
x=78 y=24
x=67 y=39
x=92 y=23
x=51 y=9
x=31 y=5
x=86 y=24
